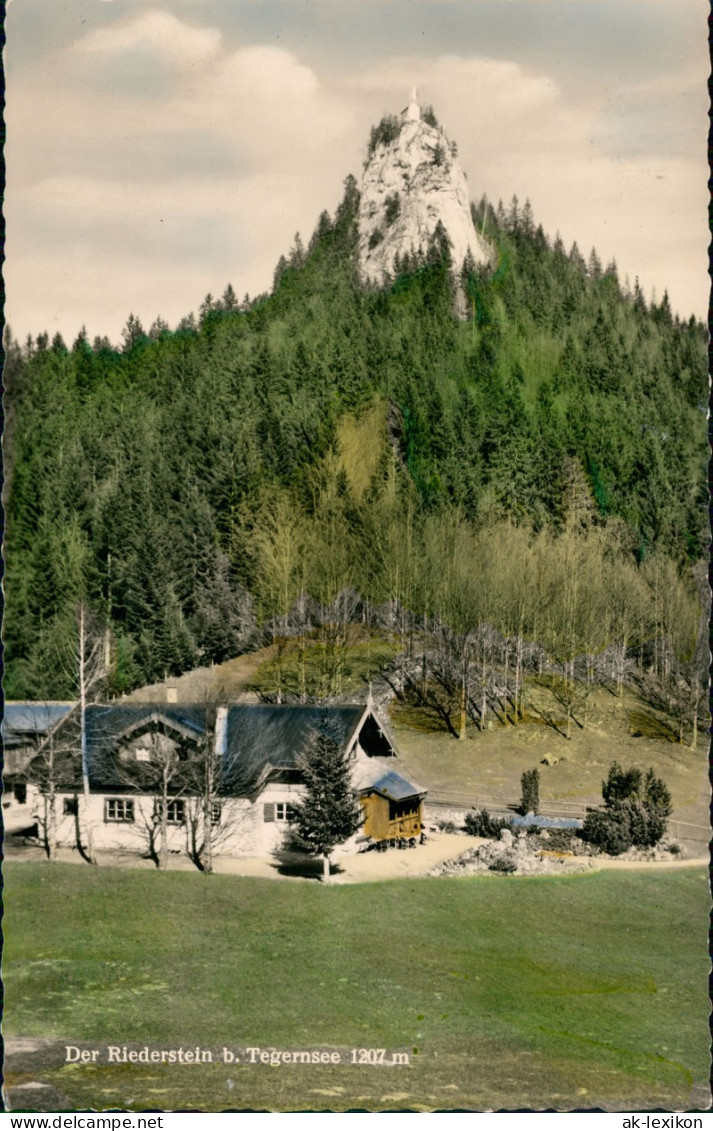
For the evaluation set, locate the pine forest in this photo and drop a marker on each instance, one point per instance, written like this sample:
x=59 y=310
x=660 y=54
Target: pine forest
x=519 y=490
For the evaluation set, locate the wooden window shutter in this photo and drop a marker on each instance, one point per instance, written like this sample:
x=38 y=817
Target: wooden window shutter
x=269 y=811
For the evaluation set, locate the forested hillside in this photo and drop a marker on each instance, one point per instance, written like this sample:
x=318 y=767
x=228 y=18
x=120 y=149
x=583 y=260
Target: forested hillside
x=284 y=466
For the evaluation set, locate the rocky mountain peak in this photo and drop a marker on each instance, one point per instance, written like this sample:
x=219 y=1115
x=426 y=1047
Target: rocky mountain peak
x=413 y=192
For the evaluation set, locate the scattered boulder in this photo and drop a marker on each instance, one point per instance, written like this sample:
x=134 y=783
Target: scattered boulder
x=517 y=856
x=666 y=849
x=525 y=855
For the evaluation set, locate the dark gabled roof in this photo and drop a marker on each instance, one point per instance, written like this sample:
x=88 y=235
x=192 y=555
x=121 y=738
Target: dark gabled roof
x=392 y=786
x=259 y=741
x=26 y=727
x=23 y=721
x=270 y=737
x=106 y=726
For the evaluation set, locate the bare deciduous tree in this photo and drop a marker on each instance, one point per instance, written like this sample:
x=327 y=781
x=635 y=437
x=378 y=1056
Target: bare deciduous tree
x=54 y=760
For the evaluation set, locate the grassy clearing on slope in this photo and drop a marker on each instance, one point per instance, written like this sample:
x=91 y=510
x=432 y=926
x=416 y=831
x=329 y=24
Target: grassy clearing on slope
x=489 y=764
x=586 y=991
x=359 y=662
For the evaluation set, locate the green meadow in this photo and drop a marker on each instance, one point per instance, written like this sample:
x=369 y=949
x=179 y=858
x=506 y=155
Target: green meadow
x=505 y=992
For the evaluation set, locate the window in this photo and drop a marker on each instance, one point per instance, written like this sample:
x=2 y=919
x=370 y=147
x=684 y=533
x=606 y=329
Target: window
x=284 y=812
x=400 y=810
x=70 y=807
x=175 y=812
x=278 y=811
x=20 y=792
x=118 y=809
x=215 y=812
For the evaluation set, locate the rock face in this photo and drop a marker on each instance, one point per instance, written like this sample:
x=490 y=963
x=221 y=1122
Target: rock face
x=413 y=183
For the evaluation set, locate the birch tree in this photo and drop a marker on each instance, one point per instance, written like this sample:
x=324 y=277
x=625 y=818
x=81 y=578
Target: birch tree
x=53 y=762
x=211 y=817
x=89 y=669
x=279 y=549
x=159 y=780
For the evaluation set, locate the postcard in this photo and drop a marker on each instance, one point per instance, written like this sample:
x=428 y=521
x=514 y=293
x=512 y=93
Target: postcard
x=356 y=662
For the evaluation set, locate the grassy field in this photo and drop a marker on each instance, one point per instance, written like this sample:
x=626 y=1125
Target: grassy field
x=505 y=992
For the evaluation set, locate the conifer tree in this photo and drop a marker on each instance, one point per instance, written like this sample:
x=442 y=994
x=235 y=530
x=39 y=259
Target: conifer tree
x=229 y=300
x=330 y=812
x=132 y=333
x=530 y=783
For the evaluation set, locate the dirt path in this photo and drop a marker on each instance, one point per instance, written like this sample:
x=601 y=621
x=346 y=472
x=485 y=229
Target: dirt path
x=649 y=865
x=360 y=868
x=364 y=867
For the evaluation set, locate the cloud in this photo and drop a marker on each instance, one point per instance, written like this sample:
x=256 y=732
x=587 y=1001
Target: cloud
x=272 y=105
x=482 y=82
x=159 y=32
x=154 y=158
x=206 y=179
x=656 y=118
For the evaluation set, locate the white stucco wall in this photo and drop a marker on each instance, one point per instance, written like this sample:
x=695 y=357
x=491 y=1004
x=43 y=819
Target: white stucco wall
x=242 y=830
x=270 y=835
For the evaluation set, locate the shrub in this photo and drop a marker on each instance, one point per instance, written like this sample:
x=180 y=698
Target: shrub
x=387 y=131
x=447 y=827
x=621 y=784
x=504 y=864
x=375 y=238
x=482 y=824
x=657 y=794
x=608 y=829
x=648 y=824
x=634 y=813
x=560 y=840
x=530 y=784
x=393 y=208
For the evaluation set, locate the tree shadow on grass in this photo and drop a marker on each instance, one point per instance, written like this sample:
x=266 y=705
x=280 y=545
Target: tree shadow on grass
x=299 y=865
x=644 y=724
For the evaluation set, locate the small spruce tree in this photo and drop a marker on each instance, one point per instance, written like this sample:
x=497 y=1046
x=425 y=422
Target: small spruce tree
x=530 y=782
x=330 y=812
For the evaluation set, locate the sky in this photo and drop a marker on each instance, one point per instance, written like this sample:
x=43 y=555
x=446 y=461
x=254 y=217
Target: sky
x=159 y=149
